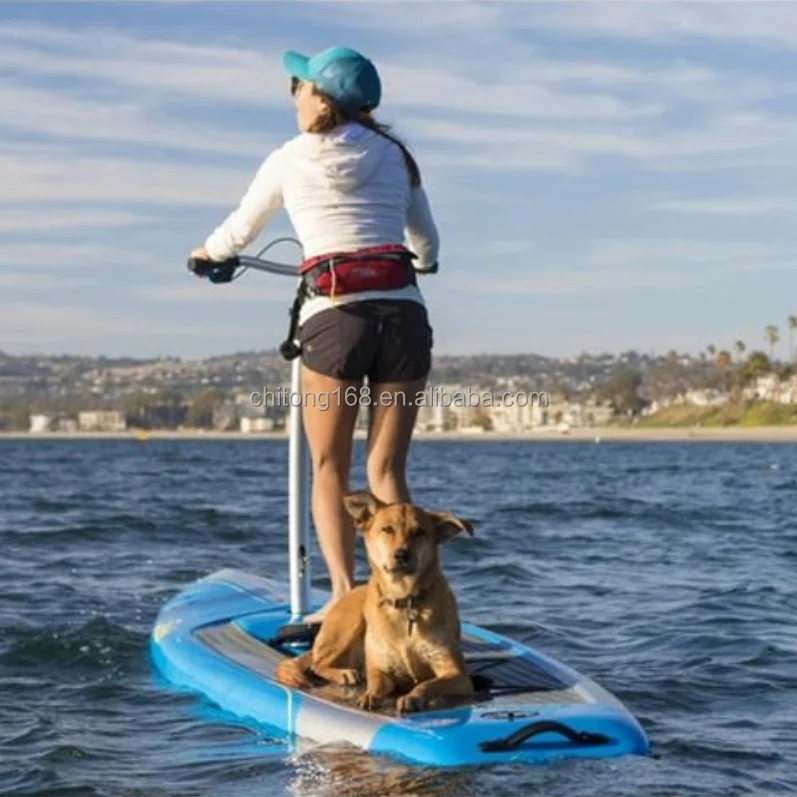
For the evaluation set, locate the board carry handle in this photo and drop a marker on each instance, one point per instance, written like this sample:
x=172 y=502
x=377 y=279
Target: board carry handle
x=542 y=726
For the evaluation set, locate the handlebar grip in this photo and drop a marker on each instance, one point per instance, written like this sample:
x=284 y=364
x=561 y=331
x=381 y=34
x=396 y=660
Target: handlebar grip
x=199 y=267
x=202 y=267
x=430 y=270
x=216 y=271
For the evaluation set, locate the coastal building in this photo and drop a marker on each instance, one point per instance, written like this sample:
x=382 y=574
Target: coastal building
x=597 y=414
x=770 y=387
x=431 y=412
x=40 y=423
x=584 y=415
x=101 y=421
x=788 y=391
x=518 y=415
x=255 y=425
x=703 y=398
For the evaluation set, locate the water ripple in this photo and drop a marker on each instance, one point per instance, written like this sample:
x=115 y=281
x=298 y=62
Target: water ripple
x=664 y=571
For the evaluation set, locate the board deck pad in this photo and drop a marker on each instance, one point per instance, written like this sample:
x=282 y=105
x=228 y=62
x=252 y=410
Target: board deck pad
x=506 y=671
x=217 y=636
x=497 y=669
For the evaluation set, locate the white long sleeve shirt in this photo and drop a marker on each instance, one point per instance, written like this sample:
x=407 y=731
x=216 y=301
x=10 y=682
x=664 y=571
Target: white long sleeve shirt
x=342 y=190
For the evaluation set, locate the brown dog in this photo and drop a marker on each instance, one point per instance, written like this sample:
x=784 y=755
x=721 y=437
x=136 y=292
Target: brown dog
x=402 y=628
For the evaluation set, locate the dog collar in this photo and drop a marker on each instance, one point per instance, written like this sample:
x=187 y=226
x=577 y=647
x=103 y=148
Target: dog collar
x=412 y=603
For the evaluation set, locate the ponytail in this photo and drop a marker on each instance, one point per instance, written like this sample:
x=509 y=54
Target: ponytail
x=335 y=116
x=366 y=120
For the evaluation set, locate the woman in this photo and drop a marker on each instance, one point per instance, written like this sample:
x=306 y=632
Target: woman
x=348 y=186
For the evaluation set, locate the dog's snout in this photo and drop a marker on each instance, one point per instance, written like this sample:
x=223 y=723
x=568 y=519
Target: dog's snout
x=402 y=555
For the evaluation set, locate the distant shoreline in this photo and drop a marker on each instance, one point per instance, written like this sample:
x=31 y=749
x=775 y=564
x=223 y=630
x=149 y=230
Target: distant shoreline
x=785 y=434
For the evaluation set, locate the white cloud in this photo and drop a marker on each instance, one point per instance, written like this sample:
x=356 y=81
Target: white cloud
x=27 y=326
x=85 y=256
x=498 y=159
x=50 y=219
x=565 y=282
x=673 y=254
x=721 y=206
x=421 y=20
x=222 y=74
x=524 y=96
x=508 y=247
x=751 y=22
x=136 y=330
x=204 y=291
x=501 y=27
x=35 y=173
x=502 y=147
x=52 y=113
x=254 y=78
x=41 y=282
x=613 y=266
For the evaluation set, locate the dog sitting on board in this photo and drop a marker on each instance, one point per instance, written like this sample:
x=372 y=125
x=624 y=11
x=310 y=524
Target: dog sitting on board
x=399 y=632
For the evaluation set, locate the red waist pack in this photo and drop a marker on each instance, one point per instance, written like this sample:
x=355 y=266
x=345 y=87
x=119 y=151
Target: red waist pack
x=375 y=268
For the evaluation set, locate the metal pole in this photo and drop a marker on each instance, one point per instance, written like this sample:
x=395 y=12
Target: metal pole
x=298 y=500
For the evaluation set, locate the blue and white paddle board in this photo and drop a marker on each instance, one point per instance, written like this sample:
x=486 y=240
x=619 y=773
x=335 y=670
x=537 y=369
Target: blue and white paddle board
x=216 y=638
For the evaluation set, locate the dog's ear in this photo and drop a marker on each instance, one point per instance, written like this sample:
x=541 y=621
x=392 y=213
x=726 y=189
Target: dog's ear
x=447 y=525
x=362 y=506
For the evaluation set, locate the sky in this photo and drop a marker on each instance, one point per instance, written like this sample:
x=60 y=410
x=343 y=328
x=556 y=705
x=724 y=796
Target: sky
x=605 y=175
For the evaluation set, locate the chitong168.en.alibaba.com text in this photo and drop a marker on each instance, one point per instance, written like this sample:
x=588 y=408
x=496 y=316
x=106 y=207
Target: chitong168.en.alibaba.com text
x=364 y=396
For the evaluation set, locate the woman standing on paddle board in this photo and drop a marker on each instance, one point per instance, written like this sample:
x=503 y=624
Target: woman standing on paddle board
x=353 y=193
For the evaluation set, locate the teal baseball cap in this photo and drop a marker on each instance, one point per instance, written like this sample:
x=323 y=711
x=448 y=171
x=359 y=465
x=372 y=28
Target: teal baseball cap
x=343 y=74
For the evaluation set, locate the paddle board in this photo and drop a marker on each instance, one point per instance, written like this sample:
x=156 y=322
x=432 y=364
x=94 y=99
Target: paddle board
x=217 y=638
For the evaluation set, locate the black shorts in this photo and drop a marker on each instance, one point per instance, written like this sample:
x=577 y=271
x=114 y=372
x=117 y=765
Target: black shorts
x=383 y=340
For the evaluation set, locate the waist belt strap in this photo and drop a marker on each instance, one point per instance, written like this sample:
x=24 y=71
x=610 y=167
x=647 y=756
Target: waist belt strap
x=372 y=268
x=387 y=252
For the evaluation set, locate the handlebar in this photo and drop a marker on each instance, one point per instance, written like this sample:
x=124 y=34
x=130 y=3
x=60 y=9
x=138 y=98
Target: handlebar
x=224 y=270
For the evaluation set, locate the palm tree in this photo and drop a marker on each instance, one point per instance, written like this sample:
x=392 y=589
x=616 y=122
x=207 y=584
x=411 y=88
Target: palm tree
x=724 y=361
x=757 y=365
x=740 y=348
x=792 y=327
x=711 y=349
x=771 y=336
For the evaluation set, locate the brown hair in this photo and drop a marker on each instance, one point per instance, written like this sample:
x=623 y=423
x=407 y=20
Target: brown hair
x=332 y=116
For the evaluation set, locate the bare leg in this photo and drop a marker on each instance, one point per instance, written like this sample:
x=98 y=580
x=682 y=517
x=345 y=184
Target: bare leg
x=329 y=425
x=389 y=434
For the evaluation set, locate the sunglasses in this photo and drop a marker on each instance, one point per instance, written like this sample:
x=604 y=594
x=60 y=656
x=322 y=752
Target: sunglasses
x=295 y=82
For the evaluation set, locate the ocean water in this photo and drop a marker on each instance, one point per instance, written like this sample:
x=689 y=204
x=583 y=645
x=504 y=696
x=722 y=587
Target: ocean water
x=665 y=571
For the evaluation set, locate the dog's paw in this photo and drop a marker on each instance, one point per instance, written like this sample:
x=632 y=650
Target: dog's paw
x=345 y=677
x=369 y=701
x=408 y=703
